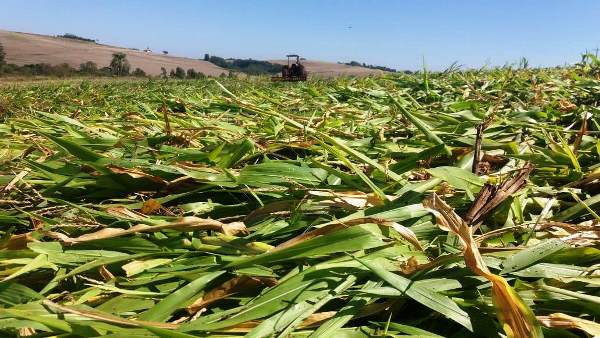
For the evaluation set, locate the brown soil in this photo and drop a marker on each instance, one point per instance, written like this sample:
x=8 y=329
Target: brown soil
x=25 y=48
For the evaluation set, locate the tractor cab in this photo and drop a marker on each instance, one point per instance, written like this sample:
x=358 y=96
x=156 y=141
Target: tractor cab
x=293 y=71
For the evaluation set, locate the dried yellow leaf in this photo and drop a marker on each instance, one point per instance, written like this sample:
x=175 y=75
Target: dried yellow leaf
x=517 y=319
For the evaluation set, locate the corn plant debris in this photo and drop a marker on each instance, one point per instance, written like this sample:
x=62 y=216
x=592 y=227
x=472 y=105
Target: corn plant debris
x=433 y=204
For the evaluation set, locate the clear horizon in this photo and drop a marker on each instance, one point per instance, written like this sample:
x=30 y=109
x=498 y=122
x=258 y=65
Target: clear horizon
x=393 y=34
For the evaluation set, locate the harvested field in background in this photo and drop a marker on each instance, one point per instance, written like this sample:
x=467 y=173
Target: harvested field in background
x=26 y=48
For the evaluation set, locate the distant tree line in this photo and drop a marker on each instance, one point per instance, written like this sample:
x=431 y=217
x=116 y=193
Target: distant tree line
x=358 y=64
x=119 y=66
x=180 y=73
x=2 y=56
x=75 y=37
x=248 y=66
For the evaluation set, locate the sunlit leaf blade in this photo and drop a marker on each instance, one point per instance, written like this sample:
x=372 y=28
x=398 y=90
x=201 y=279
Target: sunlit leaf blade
x=429 y=298
x=163 y=309
x=531 y=255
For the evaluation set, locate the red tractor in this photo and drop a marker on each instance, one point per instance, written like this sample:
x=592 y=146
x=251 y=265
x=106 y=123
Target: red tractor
x=292 y=71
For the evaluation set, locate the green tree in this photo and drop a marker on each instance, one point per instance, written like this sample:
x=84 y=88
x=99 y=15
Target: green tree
x=2 y=55
x=138 y=72
x=105 y=71
x=163 y=72
x=191 y=73
x=219 y=61
x=206 y=57
x=62 y=70
x=89 y=67
x=119 y=65
x=179 y=73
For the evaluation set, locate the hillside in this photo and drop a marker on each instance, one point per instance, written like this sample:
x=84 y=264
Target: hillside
x=25 y=48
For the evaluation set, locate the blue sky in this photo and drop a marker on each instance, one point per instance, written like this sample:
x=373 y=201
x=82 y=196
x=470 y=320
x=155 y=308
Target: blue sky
x=392 y=33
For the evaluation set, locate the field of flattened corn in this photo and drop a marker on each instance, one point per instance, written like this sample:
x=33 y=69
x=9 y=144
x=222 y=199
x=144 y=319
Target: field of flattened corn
x=454 y=204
